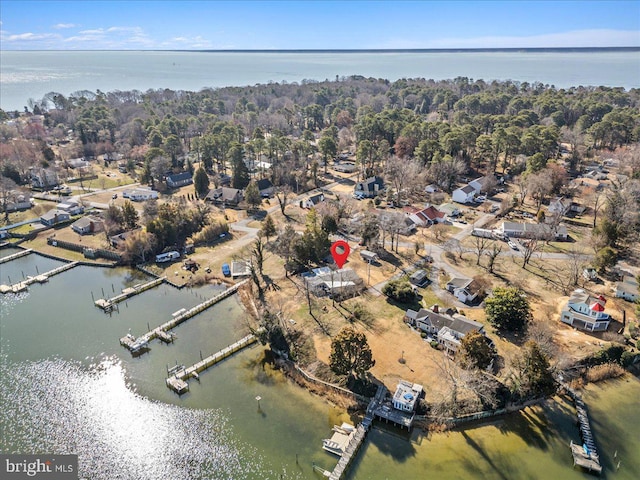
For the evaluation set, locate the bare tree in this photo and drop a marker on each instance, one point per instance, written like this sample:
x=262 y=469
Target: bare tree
x=404 y=174
x=595 y=198
x=528 y=249
x=479 y=245
x=7 y=187
x=496 y=250
x=282 y=194
x=539 y=186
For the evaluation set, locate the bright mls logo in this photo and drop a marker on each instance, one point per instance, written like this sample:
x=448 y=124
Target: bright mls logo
x=49 y=467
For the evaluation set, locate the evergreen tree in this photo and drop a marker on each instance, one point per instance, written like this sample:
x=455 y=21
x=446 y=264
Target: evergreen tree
x=201 y=183
x=252 y=195
x=350 y=353
x=508 y=309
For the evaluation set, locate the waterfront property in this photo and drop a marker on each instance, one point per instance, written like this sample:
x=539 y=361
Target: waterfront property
x=586 y=312
x=108 y=304
x=447 y=328
x=54 y=217
x=342 y=435
x=88 y=224
x=41 y=278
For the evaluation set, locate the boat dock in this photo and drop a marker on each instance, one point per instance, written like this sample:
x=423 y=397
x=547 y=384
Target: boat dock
x=585 y=455
x=108 y=304
x=22 y=253
x=179 y=376
x=134 y=344
x=42 y=278
x=358 y=439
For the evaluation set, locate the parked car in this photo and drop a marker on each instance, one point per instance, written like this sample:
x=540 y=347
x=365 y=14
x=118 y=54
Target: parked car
x=226 y=270
x=513 y=245
x=114 y=196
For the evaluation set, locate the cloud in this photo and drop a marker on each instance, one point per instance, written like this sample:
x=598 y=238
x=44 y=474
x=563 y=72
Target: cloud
x=29 y=37
x=59 y=26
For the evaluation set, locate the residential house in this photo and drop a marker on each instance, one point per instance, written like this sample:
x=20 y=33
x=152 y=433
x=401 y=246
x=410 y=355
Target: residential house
x=561 y=206
x=427 y=216
x=586 y=312
x=79 y=163
x=419 y=278
x=448 y=329
x=464 y=194
x=88 y=224
x=464 y=289
x=18 y=201
x=369 y=188
x=44 y=179
x=483 y=184
x=54 y=217
x=71 y=207
x=265 y=187
x=406 y=396
x=340 y=283
x=312 y=201
x=118 y=241
x=534 y=230
x=178 y=180
x=628 y=288
x=225 y=196
x=432 y=188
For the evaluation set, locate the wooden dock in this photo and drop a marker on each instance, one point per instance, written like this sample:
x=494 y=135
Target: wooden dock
x=588 y=457
x=42 y=278
x=358 y=439
x=108 y=303
x=22 y=253
x=131 y=342
x=178 y=380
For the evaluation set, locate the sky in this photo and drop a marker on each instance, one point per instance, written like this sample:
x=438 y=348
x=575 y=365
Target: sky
x=309 y=24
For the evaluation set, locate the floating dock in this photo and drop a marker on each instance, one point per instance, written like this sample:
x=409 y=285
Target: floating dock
x=108 y=303
x=22 y=253
x=178 y=379
x=42 y=278
x=130 y=342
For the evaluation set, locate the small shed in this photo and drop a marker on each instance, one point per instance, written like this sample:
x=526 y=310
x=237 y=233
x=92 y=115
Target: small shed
x=369 y=257
x=419 y=278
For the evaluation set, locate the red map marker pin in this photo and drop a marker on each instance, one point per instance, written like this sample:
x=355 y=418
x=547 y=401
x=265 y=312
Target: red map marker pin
x=340 y=251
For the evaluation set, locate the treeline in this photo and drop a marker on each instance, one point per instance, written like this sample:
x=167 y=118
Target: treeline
x=485 y=125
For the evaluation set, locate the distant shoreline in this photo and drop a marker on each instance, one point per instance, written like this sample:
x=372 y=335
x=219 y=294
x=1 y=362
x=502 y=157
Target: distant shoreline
x=374 y=50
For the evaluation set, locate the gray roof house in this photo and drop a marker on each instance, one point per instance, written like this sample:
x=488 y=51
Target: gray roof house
x=464 y=194
x=225 y=195
x=88 y=224
x=541 y=231
x=628 y=289
x=177 y=180
x=312 y=201
x=449 y=330
x=265 y=187
x=464 y=289
x=53 y=217
x=370 y=187
x=586 y=312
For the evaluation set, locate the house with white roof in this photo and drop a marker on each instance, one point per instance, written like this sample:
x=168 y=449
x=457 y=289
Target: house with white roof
x=406 y=396
x=586 y=312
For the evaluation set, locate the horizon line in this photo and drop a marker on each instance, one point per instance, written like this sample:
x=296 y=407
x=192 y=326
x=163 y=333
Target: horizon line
x=345 y=50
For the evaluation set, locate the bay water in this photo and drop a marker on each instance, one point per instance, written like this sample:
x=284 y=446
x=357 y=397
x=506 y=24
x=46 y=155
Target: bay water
x=28 y=75
x=67 y=386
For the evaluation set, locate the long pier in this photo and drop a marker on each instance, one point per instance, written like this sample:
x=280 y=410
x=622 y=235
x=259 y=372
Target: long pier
x=178 y=380
x=358 y=439
x=136 y=344
x=22 y=253
x=588 y=457
x=42 y=278
x=108 y=303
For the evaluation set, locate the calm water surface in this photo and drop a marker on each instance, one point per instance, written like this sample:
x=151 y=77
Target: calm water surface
x=66 y=386
x=32 y=74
